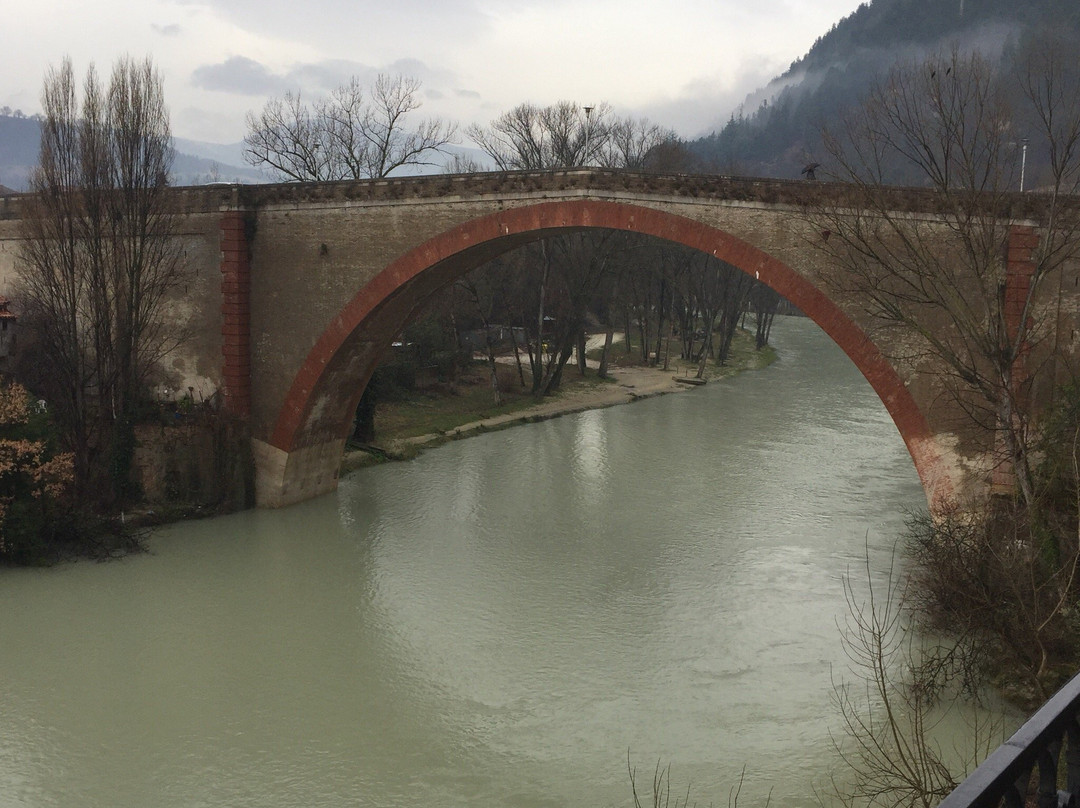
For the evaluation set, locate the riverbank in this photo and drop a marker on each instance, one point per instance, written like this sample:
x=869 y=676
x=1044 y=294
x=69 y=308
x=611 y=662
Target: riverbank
x=628 y=381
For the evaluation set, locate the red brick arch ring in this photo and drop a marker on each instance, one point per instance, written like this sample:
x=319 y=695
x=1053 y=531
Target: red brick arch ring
x=466 y=246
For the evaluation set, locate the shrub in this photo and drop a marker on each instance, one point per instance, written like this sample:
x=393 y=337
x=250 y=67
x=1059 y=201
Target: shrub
x=34 y=479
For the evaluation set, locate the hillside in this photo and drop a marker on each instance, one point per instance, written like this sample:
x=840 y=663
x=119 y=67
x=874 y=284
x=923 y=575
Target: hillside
x=777 y=132
x=196 y=163
x=19 y=139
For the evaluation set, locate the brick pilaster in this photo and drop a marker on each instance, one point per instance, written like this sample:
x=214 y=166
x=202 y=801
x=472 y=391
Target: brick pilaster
x=235 y=314
x=1019 y=270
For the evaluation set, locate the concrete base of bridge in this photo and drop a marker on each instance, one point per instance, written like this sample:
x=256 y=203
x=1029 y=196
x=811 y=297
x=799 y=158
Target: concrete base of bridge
x=285 y=478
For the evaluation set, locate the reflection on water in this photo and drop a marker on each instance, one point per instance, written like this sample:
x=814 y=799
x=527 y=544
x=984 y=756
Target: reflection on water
x=495 y=623
x=590 y=466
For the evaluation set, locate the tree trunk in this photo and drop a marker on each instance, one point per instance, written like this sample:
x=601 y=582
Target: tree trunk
x=706 y=347
x=643 y=330
x=538 y=362
x=517 y=357
x=659 y=325
x=609 y=336
x=496 y=395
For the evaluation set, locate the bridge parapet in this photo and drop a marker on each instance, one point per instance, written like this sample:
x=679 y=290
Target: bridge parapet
x=563 y=182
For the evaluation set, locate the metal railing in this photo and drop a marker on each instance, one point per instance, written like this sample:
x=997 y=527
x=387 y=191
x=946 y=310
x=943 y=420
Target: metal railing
x=1046 y=742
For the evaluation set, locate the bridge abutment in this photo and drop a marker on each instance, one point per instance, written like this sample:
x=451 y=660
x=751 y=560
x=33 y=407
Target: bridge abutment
x=285 y=478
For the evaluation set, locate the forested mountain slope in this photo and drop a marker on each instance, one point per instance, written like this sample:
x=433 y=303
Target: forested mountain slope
x=781 y=135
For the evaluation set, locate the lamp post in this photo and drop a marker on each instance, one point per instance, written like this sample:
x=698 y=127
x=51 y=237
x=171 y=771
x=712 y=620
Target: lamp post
x=588 y=131
x=1023 y=161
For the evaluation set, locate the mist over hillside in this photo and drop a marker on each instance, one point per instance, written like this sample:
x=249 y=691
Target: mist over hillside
x=777 y=132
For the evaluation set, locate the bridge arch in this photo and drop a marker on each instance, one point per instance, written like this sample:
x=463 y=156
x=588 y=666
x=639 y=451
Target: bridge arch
x=323 y=395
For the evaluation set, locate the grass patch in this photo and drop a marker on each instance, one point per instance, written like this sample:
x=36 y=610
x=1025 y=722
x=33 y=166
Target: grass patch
x=445 y=408
x=743 y=356
x=441 y=413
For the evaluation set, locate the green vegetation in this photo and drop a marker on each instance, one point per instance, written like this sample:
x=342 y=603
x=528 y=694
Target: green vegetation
x=40 y=520
x=446 y=407
x=1003 y=581
x=743 y=355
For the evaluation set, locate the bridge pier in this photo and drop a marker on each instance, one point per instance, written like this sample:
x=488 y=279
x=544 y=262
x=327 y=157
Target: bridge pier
x=285 y=478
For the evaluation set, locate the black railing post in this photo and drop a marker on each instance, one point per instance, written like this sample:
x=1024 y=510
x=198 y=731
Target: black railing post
x=1005 y=776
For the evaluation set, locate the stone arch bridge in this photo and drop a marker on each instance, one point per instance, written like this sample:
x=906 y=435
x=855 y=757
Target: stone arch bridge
x=296 y=290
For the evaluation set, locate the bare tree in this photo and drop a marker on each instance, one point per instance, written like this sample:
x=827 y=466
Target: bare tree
x=546 y=289
x=1000 y=581
x=355 y=133
x=289 y=139
x=483 y=291
x=638 y=144
x=764 y=301
x=463 y=164
x=949 y=123
x=565 y=135
x=514 y=140
x=899 y=690
x=567 y=270
x=98 y=258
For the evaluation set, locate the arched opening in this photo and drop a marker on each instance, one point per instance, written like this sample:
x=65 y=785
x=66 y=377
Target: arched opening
x=320 y=402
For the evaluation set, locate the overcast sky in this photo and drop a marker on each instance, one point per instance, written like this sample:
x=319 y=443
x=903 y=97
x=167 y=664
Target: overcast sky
x=683 y=63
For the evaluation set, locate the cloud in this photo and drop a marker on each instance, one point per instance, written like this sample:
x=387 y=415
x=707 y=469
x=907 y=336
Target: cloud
x=376 y=29
x=327 y=75
x=237 y=74
x=245 y=76
x=703 y=103
x=467 y=94
x=166 y=30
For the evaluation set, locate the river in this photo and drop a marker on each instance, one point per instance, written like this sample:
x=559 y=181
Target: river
x=496 y=623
